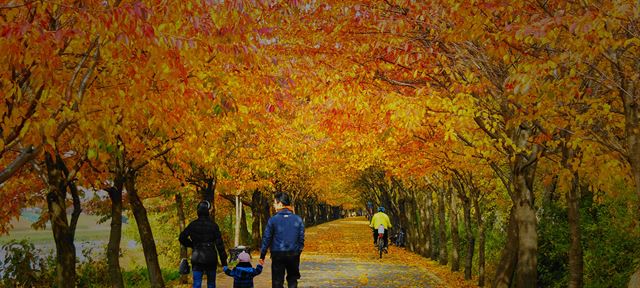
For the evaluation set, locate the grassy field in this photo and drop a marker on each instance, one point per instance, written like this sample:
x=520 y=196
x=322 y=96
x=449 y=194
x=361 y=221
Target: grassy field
x=88 y=229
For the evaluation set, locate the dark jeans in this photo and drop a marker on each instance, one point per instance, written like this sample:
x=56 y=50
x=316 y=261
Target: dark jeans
x=385 y=237
x=211 y=278
x=280 y=263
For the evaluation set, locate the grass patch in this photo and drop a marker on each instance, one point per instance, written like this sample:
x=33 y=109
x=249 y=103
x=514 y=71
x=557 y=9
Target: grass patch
x=88 y=229
x=139 y=276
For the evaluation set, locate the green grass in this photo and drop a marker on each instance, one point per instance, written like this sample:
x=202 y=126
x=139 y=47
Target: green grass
x=87 y=229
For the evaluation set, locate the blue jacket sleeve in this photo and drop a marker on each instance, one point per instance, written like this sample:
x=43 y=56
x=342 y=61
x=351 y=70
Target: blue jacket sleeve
x=300 y=234
x=258 y=270
x=266 y=238
x=227 y=271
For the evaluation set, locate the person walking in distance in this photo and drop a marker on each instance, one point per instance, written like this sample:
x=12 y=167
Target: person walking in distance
x=284 y=236
x=204 y=237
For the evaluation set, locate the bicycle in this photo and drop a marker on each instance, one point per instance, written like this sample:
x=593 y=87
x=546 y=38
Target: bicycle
x=380 y=241
x=397 y=238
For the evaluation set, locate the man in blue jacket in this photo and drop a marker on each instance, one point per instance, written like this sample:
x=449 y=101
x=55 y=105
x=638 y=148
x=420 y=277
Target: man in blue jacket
x=284 y=235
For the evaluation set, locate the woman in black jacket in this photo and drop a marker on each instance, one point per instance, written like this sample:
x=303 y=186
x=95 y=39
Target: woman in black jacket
x=204 y=237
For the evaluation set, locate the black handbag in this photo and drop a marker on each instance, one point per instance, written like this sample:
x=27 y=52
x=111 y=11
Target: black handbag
x=184 y=268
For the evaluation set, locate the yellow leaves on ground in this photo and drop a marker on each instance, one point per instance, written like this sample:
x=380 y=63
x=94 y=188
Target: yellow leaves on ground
x=351 y=238
x=363 y=279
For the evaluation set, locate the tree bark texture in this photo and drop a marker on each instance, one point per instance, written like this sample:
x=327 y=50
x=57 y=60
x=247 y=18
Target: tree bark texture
x=576 y=263
x=62 y=233
x=455 y=236
x=509 y=258
x=433 y=233
x=628 y=91
x=576 y=266
x=146 y=235
x=481 y=240
x=257 y=214
x=115 y=234
x=245 y=237
x=442 y=229
x=182 y=222
x=525 y=215
x=471 y=241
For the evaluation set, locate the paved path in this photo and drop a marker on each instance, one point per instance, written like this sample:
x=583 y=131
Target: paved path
x=340 y=254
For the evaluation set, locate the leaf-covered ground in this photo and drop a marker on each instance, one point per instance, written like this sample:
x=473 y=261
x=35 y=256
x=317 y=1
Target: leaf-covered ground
x=341 y=254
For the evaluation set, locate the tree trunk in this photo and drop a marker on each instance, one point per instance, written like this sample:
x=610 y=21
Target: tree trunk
x=414 y=225
x=481 y=239
x=634 y=280
x=632 y=128
x=442 y=229
x=256 y=213
x=266 y=212
x=526 y=273
x=468 y=262
x=75 y=215
x=550 y=192
x=62 y=234
x=115 y=235
x=146 y=235
x=426 y=230
x=573 y=199
x=182 y=223
x=523 y=159
x=509 y=259
x=408 y=221
x=455 y=236
x=576 y=264
x=237 y=220
x=245 y=237
x=431 y=221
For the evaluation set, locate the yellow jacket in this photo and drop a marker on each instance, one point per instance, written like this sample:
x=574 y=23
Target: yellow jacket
x=380 y=219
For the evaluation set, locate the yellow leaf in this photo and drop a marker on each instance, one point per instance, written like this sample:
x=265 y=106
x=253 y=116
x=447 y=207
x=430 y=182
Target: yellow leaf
x=363 y=279
x=634 y=41
x=92 y=154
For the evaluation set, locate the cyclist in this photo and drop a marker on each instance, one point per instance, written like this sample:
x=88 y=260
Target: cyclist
x=369 y=210
x=378 y=219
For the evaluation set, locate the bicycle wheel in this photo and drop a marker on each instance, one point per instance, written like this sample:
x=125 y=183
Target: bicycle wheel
x=380 y=246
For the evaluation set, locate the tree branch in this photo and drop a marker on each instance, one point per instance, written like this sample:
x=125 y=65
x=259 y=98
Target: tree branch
x=411 y=84
x=135 y=168
x=94 y=43
x=26 y=155
x=83 y=83
x=16 y=131
x=232 y=199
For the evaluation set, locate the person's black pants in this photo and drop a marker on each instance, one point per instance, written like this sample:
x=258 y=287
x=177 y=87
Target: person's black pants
x=280 y=263
x=385 y=237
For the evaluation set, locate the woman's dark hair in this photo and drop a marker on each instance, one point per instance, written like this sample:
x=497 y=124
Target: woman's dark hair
x=283 y=198
x=203 y=208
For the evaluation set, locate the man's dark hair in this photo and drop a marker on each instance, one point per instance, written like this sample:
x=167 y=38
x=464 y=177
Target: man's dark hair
x=283 y=198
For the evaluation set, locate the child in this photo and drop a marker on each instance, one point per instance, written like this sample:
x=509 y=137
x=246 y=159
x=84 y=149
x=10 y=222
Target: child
x=243 y=273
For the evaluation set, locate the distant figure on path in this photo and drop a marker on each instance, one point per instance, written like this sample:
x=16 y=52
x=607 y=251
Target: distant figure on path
x=204 y=237
x=243 y=273
x=369 y=210
x=378 y=219
x=284 y=235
